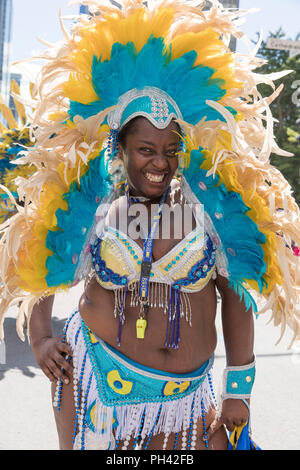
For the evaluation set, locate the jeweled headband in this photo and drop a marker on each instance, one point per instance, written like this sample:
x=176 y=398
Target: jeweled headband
x=150 y=102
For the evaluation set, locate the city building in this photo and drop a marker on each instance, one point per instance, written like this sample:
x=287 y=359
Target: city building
x=6 y=8
x=229 y=4
x=17 y=77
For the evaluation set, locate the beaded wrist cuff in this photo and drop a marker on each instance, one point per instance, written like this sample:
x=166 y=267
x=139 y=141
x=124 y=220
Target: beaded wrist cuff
x=238 y=381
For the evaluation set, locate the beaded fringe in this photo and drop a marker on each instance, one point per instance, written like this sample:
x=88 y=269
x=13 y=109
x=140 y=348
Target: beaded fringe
x=175 y=304
x=138 y=421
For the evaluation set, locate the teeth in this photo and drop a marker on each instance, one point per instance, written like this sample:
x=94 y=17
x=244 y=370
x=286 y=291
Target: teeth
x=154 y=178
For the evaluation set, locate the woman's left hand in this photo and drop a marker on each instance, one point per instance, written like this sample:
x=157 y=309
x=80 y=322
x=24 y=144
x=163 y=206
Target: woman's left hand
x=233 y=413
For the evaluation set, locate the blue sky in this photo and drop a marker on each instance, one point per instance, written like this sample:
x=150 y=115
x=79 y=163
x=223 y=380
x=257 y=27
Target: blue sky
x=39 y=18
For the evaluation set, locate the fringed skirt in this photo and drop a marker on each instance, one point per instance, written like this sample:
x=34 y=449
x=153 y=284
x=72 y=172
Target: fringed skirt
x=119 y=400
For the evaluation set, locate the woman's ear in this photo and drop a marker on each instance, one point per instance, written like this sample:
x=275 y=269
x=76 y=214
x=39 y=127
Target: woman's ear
x=121 y=153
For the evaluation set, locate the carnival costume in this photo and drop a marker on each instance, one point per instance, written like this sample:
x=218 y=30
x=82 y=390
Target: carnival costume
x=15 y=139
x=165 y=61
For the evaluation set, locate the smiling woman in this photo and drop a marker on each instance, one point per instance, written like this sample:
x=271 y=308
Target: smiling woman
x=150 y=156
x=146 y=109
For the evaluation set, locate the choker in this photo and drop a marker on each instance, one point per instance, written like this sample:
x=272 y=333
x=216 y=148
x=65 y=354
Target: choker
x=134 y=199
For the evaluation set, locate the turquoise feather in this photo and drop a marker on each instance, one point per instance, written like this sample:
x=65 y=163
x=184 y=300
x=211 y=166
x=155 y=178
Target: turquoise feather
x=153 y=66
x=241 y=239
x=67 y=242
x=244 y=295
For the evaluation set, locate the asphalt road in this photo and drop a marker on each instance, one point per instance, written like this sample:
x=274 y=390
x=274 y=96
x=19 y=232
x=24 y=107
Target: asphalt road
x=27 y=421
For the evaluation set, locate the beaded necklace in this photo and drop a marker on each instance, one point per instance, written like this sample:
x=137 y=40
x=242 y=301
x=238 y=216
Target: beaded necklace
x=141 y=323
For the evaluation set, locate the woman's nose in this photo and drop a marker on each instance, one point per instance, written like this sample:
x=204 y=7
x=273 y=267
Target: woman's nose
x=160 y=161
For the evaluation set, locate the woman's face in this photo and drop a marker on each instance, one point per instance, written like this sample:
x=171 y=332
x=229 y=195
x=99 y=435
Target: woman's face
x=150 y=157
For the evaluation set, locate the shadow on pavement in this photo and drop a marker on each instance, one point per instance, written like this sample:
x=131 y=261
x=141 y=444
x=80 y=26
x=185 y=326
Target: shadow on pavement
x=19 y=355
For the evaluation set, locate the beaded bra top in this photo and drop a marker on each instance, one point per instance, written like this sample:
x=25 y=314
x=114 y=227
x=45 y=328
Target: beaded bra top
x=188 y=266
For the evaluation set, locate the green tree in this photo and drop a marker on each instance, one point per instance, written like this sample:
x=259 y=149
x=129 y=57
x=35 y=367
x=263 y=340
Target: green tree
x=285 y=109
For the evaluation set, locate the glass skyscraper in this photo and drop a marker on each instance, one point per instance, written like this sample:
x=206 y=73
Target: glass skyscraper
x=5 y=42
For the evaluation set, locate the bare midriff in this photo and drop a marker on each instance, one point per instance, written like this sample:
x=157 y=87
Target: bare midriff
x=197 y=342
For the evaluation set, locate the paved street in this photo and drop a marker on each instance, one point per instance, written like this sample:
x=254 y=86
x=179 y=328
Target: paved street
x=27 y=421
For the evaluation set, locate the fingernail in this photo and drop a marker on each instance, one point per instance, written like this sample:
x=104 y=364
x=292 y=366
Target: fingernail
x=66 y=381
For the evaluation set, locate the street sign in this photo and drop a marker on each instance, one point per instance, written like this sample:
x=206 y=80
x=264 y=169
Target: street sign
x=284 y=44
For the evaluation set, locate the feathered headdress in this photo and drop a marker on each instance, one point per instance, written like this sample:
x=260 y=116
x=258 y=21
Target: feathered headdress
x=166 y=59
x=15 y=139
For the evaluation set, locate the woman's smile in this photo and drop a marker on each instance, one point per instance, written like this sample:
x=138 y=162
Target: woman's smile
x=155 y=178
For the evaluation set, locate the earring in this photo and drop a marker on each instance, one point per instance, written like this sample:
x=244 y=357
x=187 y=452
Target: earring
x=181 y=159
x=115 y=164
x=117 y=171
x=112 y=143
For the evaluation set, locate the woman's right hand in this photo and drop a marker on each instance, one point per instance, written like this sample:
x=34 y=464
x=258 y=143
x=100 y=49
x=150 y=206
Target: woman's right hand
x=51 y=354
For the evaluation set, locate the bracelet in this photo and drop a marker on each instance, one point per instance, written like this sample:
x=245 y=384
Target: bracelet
x=238 y=381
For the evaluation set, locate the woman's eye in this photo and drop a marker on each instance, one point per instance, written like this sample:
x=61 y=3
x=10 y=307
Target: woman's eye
x=173 y=153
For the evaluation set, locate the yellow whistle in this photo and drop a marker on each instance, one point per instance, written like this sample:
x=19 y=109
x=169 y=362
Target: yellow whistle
x=141 y=325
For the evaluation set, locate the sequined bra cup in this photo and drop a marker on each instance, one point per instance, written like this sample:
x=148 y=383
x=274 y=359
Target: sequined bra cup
x=188 y=266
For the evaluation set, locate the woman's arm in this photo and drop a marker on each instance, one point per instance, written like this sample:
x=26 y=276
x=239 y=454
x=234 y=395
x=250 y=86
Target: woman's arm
x=238 y=331
x=238 y=326
x=49 y=352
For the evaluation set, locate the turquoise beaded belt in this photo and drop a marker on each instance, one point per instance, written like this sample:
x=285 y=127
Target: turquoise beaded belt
x=123 y=381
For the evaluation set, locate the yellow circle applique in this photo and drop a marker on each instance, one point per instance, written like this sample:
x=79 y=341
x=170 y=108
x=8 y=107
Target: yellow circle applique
x=123 y=387
x=93 y=416
x=172 y=388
